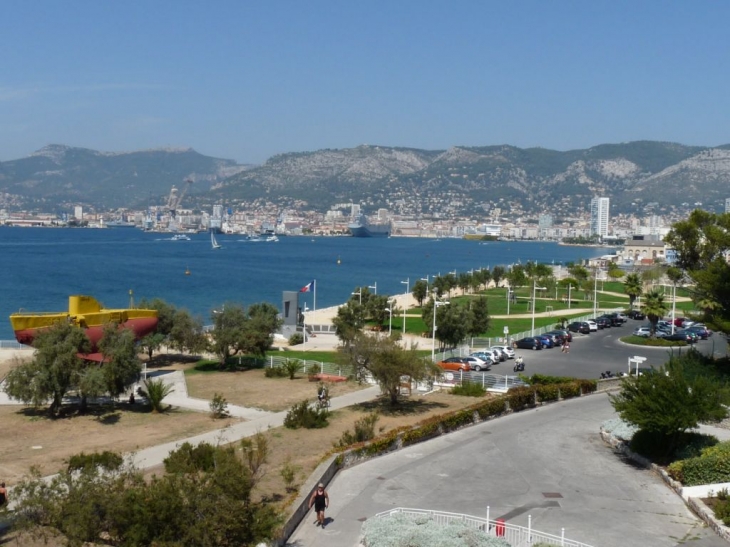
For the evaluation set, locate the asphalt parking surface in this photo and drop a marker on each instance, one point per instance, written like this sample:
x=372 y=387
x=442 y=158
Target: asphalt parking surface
x=601 y=351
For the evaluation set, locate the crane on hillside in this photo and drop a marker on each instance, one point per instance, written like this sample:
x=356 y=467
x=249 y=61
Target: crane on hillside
x=174 y=200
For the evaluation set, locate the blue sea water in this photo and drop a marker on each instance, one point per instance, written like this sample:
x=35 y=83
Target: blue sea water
x=41 y=267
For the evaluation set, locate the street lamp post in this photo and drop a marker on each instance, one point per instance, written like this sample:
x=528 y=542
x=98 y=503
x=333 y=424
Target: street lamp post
x=359 y=294
x=389 y=309
x=426 y=280
x=534 y=289
x=436 y=304
x=595 y=291
x=570 y=286
x=374 y=286
x=674 y=303
x=304 y=327
x=408 y=289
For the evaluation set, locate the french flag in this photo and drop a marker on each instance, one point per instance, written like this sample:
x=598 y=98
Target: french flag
x=308 y=287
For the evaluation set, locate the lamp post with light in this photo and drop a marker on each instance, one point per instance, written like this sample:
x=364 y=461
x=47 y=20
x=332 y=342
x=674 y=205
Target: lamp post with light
x=374 y=286
x=304 y=327
x=534 y=289
x=359 y=294
x=389 y=309
x=408 y=289
x=436 y=304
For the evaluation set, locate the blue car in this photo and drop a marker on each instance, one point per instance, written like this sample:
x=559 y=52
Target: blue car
x=546 y=340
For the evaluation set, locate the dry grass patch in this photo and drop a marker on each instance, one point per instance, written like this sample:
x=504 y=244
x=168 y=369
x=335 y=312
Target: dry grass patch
x=252 y=389
x=305 y=448
x=118 y=429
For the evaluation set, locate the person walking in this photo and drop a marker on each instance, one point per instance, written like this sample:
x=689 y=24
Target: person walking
x=321 y=501
x=3 y=495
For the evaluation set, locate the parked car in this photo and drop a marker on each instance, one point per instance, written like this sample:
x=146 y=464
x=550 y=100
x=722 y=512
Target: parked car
x=496 y=355
x=508 y=351
x=703 y=332
x=636 y=314
x=642 y=331
x=475 y=363
x=602 y=322
x=497 y=350
x=565 y=333
x=693 y=335
x=454 y=363
x=556 y=338
x=486 y=357
x=546 y=340
x=681 y=336
x=592 y=325
x=579 y=326
x=529 y=343
x=615 y=319
x=678 y=321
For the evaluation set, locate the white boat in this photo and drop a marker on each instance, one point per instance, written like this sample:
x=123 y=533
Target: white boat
x=180 y=237
x=213 y=242
x=272 y=238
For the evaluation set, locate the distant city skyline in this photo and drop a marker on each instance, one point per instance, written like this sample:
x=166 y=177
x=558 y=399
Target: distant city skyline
x=246 y=81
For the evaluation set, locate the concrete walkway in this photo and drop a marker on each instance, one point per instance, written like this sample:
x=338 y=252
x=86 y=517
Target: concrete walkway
x=155 y=455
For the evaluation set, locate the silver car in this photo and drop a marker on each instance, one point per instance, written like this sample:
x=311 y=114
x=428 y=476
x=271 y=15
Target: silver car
x=508 y=352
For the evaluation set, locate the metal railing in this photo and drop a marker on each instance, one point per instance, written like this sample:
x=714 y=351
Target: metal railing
x=488 y=380
x=517 y=536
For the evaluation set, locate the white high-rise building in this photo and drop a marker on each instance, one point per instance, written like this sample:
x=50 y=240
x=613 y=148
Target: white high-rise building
x=599 y=216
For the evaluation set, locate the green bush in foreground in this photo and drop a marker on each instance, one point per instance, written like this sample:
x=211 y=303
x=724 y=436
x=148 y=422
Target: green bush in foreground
x=305 y=415
x=110 y=461
x=469 y=389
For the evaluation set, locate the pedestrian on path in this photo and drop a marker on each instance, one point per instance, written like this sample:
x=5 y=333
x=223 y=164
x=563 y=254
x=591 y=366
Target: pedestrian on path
x=3 y=495
x=321 y=501
x=566 y=346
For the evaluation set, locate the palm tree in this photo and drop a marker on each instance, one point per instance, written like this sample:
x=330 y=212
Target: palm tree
x=633 y=287
x=654 y=308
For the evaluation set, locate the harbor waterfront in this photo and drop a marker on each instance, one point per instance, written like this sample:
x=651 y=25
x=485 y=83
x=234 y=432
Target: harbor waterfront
x=43 y=266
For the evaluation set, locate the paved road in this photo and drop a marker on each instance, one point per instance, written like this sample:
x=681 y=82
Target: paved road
x=549 y=463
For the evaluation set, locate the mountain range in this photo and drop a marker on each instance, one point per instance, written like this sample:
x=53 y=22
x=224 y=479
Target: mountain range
x=640 y=177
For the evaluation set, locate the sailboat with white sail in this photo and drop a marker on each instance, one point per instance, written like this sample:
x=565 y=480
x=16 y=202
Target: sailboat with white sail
x=213 y=241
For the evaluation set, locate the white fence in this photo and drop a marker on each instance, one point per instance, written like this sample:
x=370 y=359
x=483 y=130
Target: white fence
x=12 y=344
x=307 y=365
x=517 y=536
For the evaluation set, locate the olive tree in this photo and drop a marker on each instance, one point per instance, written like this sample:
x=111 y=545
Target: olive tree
x=387 y=362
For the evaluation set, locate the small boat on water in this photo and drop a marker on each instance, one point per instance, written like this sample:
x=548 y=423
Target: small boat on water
x=89 y=314
x=213 y=241
x=180 y=237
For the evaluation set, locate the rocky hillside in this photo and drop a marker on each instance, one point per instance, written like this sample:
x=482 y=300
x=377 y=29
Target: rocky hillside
x=59 y=177
x=638 y=177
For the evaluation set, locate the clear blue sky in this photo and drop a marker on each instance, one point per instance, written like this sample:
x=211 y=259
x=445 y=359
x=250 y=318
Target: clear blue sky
x=246 y=79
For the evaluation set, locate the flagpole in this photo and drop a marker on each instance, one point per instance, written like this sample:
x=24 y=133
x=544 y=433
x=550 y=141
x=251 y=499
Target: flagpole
x=314 y=304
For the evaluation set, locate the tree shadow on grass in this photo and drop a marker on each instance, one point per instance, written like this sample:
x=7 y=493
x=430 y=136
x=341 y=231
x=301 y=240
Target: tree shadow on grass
x=168 y=359
x=406 y=407
x=106 y=414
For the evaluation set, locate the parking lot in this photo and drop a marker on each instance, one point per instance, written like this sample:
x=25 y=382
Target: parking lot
x=600 y=351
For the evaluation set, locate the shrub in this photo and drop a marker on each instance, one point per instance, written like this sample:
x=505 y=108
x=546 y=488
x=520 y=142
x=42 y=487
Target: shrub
x=469 y=389
x=109 y=461
x=292 y=366
x=304 y=415
x=711 y=467
x=296 y=339
x=619 y=429
x=275 y=372
x=547 y=392
x=520 y=397
x=364 y=431
x=569 y=390
x=494 y=407
x=219 y=406
x=722 y=510
x=191 y=459
x=156 y=391
x=289 y=473
x=314 y=368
